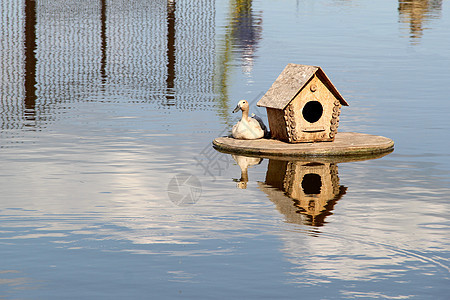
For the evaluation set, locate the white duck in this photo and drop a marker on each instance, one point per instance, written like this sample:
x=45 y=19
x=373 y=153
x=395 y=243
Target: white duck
x=248 y=128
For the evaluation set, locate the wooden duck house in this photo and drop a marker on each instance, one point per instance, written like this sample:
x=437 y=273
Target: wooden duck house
x=303 y=105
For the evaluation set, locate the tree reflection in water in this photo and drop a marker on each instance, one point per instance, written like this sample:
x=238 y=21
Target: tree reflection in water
x=416 y=14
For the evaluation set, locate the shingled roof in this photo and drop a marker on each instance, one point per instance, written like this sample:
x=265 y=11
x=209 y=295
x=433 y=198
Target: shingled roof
x=293 y=78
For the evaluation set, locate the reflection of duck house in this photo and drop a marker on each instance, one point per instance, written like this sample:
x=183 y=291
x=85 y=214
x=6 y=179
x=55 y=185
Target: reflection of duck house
x=314 y=186
x=303 y=105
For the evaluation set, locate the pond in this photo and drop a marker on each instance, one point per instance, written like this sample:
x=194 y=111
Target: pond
x=111 y=189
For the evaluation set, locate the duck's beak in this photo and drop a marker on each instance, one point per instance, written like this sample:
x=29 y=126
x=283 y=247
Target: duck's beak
x=237 y=108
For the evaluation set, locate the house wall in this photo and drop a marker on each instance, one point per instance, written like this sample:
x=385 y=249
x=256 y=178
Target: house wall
x=277 y=124
x=322 y=129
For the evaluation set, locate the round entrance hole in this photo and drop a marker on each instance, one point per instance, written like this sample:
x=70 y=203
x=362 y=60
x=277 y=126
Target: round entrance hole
x=311 y=184
x=312 y=111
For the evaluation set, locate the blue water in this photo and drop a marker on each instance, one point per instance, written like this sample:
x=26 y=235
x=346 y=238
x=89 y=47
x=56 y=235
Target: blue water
x=110 y=188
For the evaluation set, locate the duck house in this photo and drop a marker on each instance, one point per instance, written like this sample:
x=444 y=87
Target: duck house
x=303 y=105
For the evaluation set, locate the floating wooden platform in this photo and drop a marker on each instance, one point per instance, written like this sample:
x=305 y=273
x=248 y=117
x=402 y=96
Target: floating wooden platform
x=345 y=144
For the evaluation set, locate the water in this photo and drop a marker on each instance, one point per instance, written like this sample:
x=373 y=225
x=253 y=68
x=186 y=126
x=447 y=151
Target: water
x=110 y=187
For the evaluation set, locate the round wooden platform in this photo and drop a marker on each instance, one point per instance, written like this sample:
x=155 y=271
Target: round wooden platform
x=344 y=144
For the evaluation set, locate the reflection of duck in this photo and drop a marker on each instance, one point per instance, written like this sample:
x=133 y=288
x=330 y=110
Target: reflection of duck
x=248 y=128
x=244 y=162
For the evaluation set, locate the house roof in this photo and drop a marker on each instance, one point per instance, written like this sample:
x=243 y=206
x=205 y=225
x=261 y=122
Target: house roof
x=293 y=78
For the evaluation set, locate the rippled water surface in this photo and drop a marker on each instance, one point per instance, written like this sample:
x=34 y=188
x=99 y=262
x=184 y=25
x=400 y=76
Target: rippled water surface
x=110 y=188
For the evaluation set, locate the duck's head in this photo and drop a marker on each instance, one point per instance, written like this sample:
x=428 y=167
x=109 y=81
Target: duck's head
x=242 y=105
